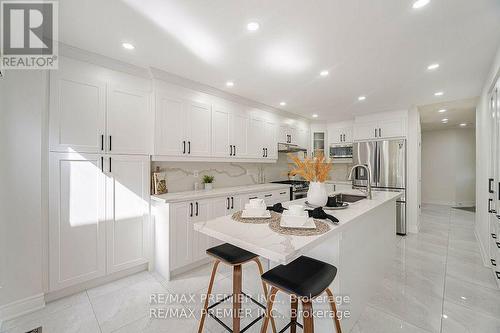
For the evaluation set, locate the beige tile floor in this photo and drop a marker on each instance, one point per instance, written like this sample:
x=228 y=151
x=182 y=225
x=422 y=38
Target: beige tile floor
x=435 y=283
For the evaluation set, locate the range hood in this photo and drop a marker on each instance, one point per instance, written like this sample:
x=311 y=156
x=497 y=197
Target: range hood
x=289 y=148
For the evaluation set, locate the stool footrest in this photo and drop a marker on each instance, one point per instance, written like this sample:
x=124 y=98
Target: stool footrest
x=288 y=325
x=211 y=314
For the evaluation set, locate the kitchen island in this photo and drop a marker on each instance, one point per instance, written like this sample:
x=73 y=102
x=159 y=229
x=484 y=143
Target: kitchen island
x=360 y=246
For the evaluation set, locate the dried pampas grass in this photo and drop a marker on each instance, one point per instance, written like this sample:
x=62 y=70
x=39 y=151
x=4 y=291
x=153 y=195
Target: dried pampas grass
x=313 y=169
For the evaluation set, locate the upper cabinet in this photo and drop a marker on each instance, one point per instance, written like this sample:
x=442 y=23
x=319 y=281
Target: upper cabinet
x=93 y=109
x=288 y=134
x=263 y=144
x=340 y=133
x=229 y=132
x=380 y=126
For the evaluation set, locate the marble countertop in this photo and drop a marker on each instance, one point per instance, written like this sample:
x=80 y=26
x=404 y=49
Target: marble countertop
x=216 y=192
x=260 y=239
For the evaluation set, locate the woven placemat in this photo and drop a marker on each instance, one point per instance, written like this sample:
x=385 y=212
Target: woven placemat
x=274 y=217
x=321 y=228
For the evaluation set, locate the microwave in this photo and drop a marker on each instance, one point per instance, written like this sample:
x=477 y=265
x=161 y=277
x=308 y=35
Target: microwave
x=340 y=152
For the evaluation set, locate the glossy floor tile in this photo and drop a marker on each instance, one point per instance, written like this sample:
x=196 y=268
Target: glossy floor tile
x=436 y=282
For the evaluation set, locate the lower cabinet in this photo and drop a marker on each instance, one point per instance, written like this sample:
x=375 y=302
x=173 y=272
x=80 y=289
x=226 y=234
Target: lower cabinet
x=178 y=247
x=98 y=216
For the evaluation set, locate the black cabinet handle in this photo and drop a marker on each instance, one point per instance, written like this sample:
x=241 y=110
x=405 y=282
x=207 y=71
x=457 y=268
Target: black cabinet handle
x=498 y=245
x=189 y=147
x=102 y=163
x=183 y=147
x=232 y=202
x=490 y=183
x=191 y=209
x=227 y=206
x=268 y=195
x=230 y=150
x=110 y=143
x=110 y=164
x=196 y=208
x=266 y=150
x=102 y=142
x=282 y=192
x=494 y=236
x=489 y=205
x=234 y=154
x=263 y=152
x=252 y=198
x=379 y=132
x=375 y=132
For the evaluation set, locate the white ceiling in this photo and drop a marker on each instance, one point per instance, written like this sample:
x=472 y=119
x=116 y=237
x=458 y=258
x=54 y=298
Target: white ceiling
x=457 y=112
x=375 y=48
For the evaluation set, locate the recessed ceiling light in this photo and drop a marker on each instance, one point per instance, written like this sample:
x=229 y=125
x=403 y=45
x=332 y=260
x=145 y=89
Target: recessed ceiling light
x=282 y=103
x=324 y=73
x=361 y=98
x=463 y=297
x=445 y=120
x=439 y=93
x=463 y=124
x=442 y=110
x=420 y=3
x=433 y=67
x=315 y=115
x=128 y=46
x=229 y=84
x=253 y=26
x=445 y=316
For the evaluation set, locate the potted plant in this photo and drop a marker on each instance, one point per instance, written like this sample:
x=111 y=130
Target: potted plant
x=207 y=181
x=316 y=171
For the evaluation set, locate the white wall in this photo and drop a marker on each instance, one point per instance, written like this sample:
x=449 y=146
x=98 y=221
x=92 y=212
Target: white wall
x=413 y=167
x=23 y=99
x=448 y=167
x=483 y=162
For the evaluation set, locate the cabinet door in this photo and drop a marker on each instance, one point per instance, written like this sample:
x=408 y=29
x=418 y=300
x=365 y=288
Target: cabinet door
x=347 y=132
x=77 y=112
x=127 y=211
x=365 y=131
x=199 y=124
x=129 y=121
x=200 y=242
x=283 y=134
x=335 y=135
x=221 y=126
x=270 y=130
x=236 y=203
x=303 y=137
x=220 y=207
x=239 y=134
x=293 y=132
x=76 y=219
x=391 y=128
x=180 y=232
x=255 y=138
x=170 y=126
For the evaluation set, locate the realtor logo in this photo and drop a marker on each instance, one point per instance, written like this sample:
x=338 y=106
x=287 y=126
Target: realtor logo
x=29 y=34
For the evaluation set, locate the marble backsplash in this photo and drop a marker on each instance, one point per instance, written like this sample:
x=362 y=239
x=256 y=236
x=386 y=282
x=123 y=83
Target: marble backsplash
x=182 y=176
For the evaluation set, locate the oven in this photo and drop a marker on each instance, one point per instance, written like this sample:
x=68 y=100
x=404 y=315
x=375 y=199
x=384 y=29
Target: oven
x=298 y=188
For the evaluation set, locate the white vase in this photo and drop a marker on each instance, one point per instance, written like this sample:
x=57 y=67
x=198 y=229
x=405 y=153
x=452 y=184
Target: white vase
x=317 y=194
x=208 y=186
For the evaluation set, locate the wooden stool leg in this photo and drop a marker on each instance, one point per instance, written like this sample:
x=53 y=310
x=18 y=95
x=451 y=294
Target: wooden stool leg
x=237 y=282
x=269 y=309
x=294 y=306
x=331 y=300
x=264 y=287
x=308 y=316
x=209 y=291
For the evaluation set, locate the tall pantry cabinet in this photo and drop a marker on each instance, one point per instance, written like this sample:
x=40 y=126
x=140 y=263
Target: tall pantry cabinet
x=99 y=166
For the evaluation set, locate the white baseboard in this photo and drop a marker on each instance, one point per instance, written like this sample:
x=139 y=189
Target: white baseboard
x=21 y=307
x=484 y=255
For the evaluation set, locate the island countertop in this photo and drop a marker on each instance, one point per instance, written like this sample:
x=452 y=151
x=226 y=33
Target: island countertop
x=261 y=240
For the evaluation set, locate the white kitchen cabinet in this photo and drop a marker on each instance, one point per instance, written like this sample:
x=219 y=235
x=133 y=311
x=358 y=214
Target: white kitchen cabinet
x=179 y=241
x=288 y=134
x=303 y=137
x=381 y=129
x=229 y=133
x=170 y=126
x=339 y=134
x=129 y=120
x=127 y=211
x=199 y=117
x=93 y=109
x=77 y=236
x=77 y=112
x=270 y=144
x=98 y=215
x=200 y=242
x=256 y=135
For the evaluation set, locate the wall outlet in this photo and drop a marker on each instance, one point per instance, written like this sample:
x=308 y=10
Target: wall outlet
x=195 y=173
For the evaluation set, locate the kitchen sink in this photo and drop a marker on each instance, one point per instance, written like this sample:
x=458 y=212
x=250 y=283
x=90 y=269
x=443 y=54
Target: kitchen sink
x=349 y=197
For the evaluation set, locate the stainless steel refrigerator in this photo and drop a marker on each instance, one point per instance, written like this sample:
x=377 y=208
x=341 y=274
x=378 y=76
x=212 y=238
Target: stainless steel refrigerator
x=387 y=163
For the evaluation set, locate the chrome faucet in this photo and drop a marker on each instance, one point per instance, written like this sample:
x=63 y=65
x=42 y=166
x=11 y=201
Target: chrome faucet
x=368 y=178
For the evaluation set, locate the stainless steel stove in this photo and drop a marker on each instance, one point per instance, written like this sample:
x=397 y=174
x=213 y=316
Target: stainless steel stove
x=298 y=188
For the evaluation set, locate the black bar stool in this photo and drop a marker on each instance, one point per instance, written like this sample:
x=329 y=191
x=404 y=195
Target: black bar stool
x=233 y=256
x=303 y=279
